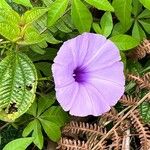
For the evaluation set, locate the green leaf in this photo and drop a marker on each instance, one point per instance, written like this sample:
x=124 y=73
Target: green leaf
x=5 y=5
x=10 y=32
x=37 y=49
x=18 y=82
x=144 y=14
x=145 y=111
x=44 y=102
x=56 y=10
x=137 y=7
x=97 y=28
x=31 y=36
x=51 y=129
x=28 y=129
x=37 y=134
x=19 y=144
x=25 y=3
x=124 y=42
x=55 y=114
x=106 y=24
x=123 y=12
x=118 y=29
x=146 y=3
x=146 y=25
x=50 y=38
x=101 y=4
x=9 y=16
x=138 y=32
x=32 y=15
x=33 y=109
x=81 y=16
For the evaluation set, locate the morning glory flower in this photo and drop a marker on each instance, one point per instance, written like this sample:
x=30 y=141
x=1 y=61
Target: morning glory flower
x=88 y=75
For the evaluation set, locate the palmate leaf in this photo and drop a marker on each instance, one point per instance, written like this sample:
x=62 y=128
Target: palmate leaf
x=18 y=82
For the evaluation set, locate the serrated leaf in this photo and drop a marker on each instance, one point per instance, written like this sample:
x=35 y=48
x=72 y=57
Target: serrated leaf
x=5 y=5
x=55 y=114
x=9 y=16
x=81 y=16
x=32 y=15
x=31 y=36
x=56 y=10
x=146 y=3
x=18 y=82
x=51 y=129
x=19 y=144
x=25 y=3
x=106 y=24
x=137 y=32
x=123 y=11
x=101 y=4
x=145 y=111
x=124 y=42
x=10 y=32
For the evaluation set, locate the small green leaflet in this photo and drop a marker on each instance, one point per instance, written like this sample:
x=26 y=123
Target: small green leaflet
x=18 y=82
x=25 y=3
x=123 y=11
x=101 y=4
x=56 y=10
x=19 y=144
x=81 y=16
x=146 y=3
x=137 y=32
x=124 y=42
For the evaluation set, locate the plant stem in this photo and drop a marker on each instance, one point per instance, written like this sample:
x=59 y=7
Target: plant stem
x=5 y=125
x=124 y=117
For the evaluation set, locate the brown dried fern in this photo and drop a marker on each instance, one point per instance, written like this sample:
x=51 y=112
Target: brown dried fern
x=82 y=127
x=68 y=144
x=144 y=133
x=141 y=51
x=127 y=100
x=143 y=82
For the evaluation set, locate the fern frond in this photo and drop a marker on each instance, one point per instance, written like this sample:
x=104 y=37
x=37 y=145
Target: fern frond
x=141 y=51
x=68 y=144
x=82 y=127
x=128 y=100
x=144 y=133
x=141 y=81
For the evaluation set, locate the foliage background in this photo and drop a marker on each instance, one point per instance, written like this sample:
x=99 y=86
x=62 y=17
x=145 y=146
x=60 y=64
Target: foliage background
x=31 y=34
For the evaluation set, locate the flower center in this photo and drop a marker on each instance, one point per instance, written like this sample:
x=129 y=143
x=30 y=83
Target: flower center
x=79 y=75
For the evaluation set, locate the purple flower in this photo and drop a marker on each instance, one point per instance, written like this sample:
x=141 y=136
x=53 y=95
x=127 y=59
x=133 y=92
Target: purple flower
x=88 y=75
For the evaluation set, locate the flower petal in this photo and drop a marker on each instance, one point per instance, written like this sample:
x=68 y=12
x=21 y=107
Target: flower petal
x=62 y=74
x=88 y=102
x=67 y=95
